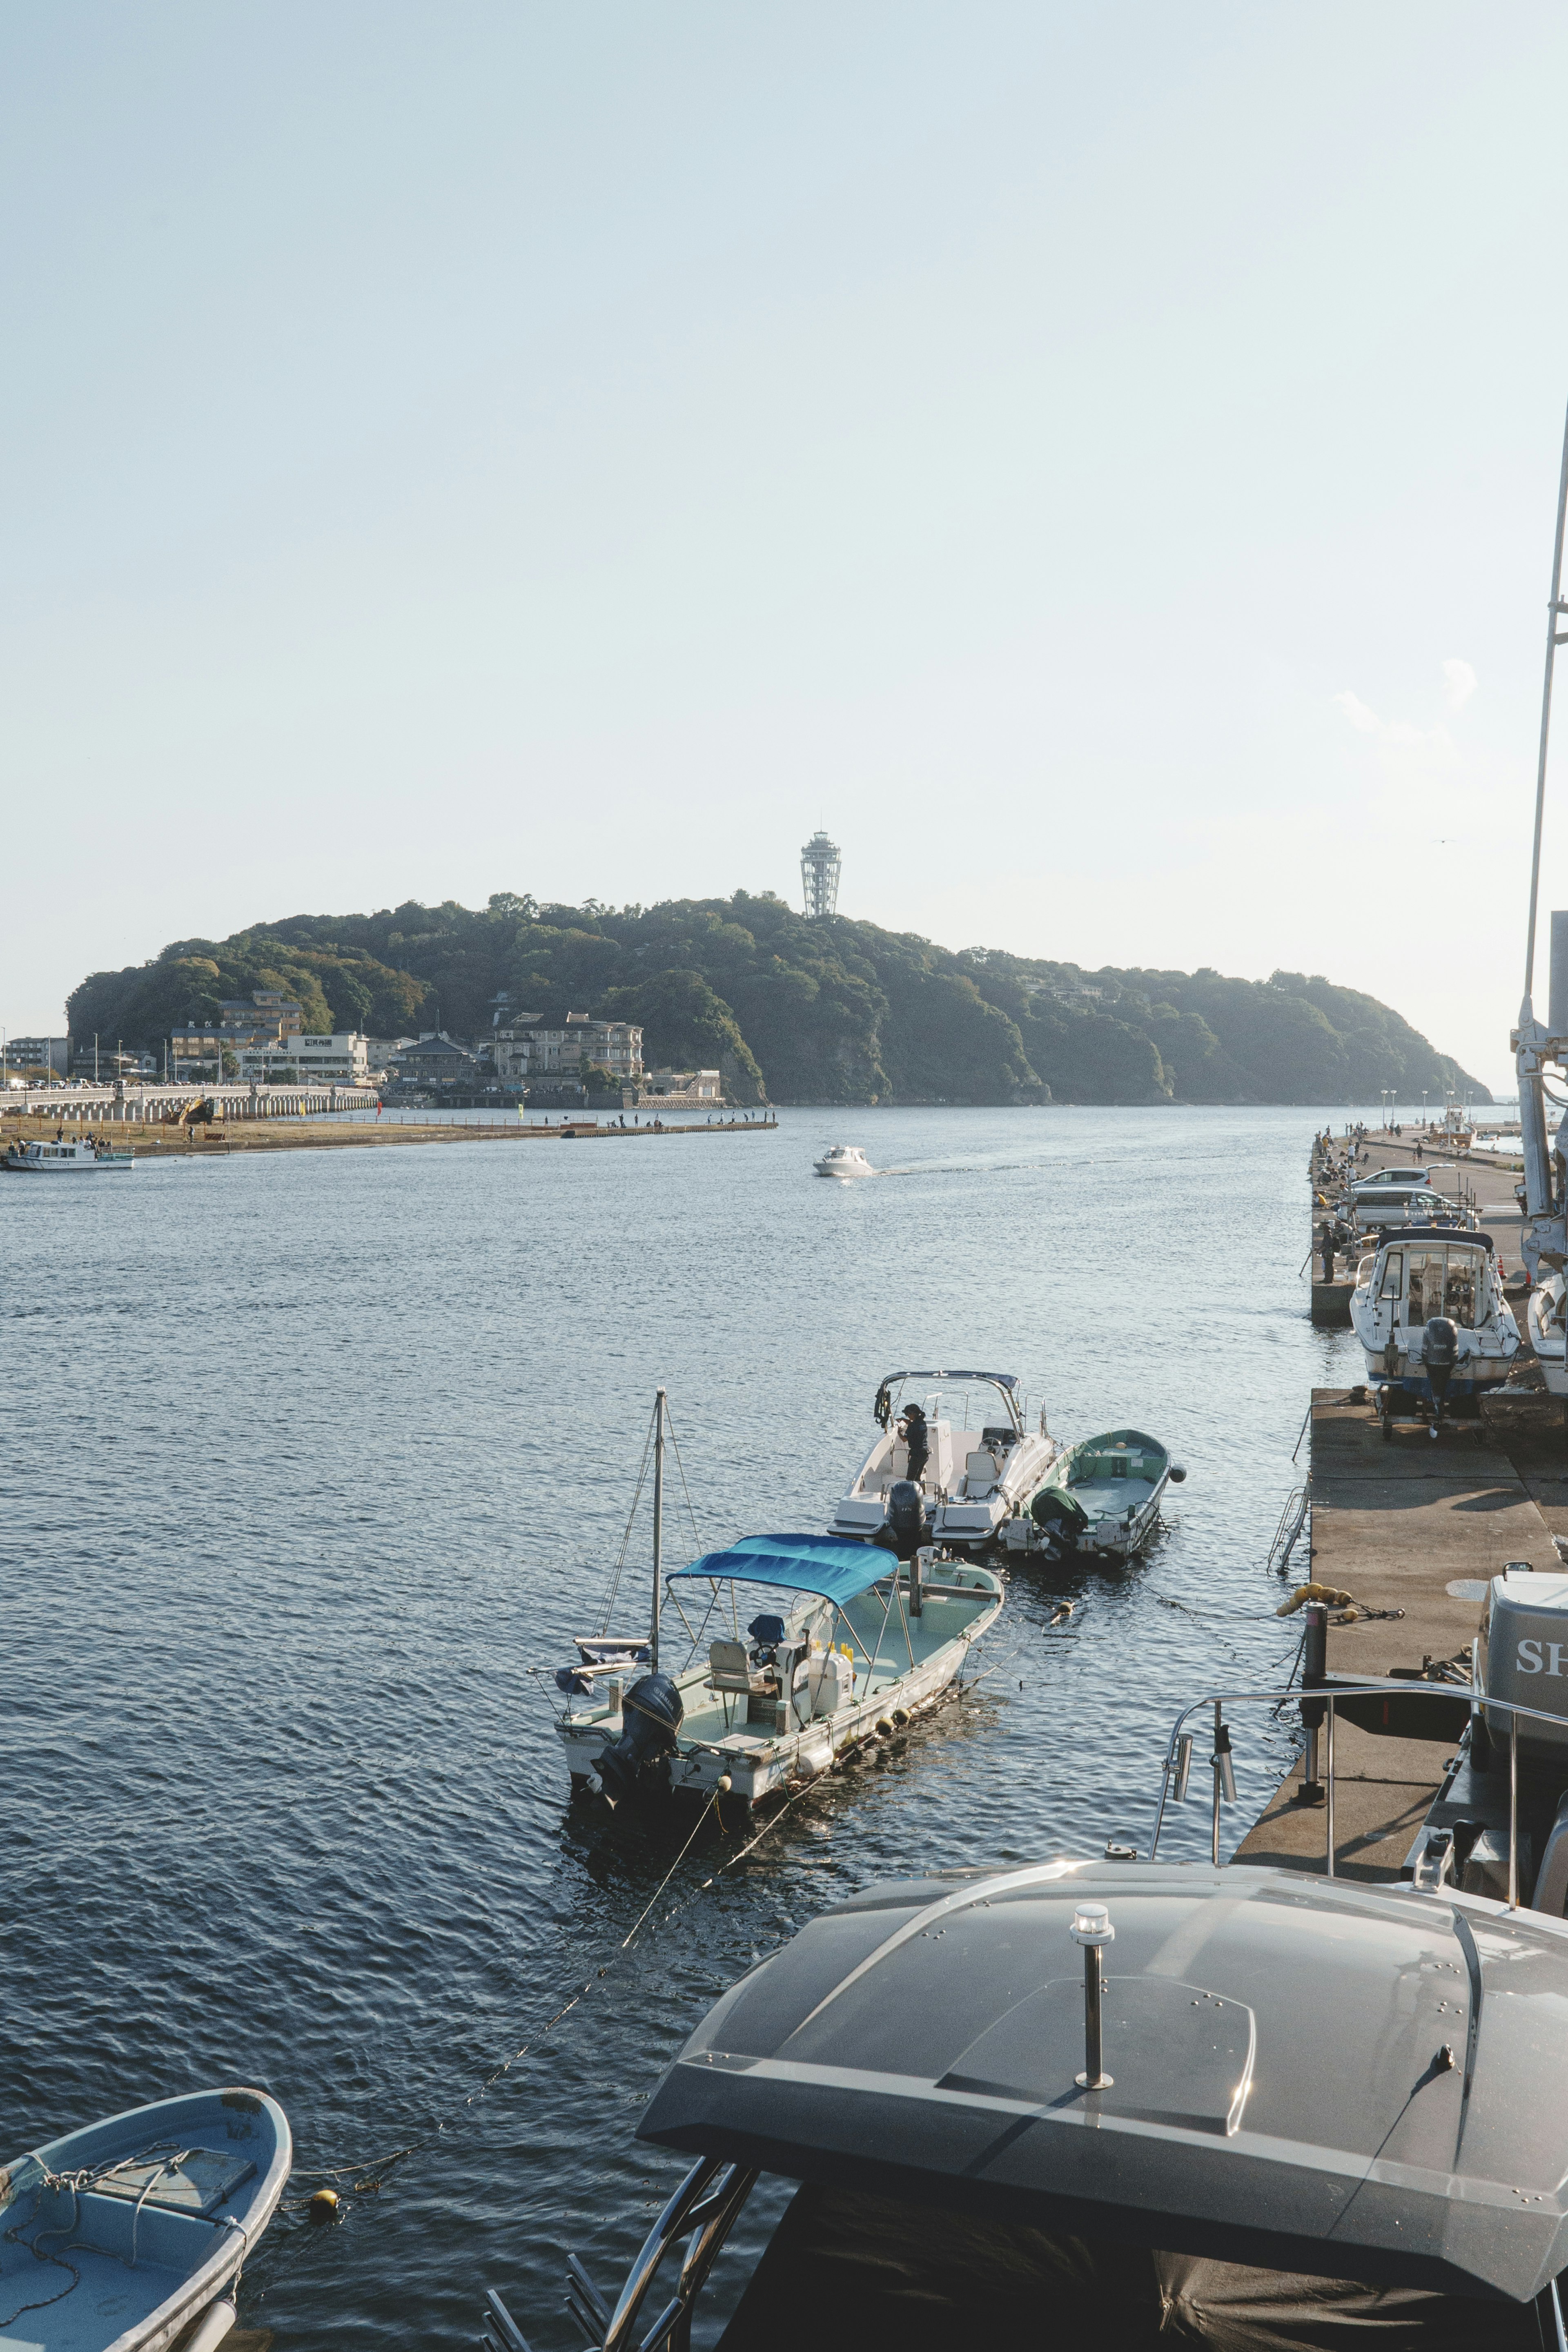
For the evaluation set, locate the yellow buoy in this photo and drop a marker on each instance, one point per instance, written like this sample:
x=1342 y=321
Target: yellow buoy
x=323 y=2205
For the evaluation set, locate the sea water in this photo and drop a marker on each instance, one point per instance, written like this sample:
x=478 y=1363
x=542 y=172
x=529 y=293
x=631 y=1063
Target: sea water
x=315 y=1463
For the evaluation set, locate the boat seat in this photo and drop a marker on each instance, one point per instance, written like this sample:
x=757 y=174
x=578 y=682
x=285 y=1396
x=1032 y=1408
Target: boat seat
x=980 y=1473
x=730 y=1669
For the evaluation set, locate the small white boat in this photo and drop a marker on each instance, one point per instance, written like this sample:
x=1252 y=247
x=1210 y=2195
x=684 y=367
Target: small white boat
x=968 y=1481
x=1433 y=1323
x=1101 y=1496
x=76 y=1158
x=843 y=1159
x=849 y=1642
x=124 y=2235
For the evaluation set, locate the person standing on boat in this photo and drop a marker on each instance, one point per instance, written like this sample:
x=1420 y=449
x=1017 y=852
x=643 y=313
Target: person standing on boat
x=913 y=1430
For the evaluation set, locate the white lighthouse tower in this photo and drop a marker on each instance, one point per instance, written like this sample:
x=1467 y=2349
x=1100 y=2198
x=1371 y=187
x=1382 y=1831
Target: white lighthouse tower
x=819 y=864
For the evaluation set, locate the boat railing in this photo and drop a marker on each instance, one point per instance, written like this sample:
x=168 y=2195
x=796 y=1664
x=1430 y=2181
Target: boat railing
x=1328 y=1697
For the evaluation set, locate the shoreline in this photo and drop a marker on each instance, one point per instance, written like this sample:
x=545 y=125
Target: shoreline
x=324 y=1132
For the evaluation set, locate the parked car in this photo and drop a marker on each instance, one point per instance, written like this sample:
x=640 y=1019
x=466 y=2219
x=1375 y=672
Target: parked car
x=1387 y=1176
x=1415 y=1204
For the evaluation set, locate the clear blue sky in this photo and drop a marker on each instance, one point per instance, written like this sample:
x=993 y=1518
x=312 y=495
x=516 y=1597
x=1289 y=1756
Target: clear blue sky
x=1099 y=462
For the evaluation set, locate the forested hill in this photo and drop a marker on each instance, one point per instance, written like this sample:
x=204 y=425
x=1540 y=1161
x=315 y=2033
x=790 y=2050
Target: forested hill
x=831 y=1012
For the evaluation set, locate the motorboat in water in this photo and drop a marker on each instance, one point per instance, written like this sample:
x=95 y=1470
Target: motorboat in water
x=77 y=1157
x=847 y=1641
x=843 y=1159
x=1159 y=2101
x=131 y=2232
x=1434 y=1325
x=1100 y=1495
x=976 y=1473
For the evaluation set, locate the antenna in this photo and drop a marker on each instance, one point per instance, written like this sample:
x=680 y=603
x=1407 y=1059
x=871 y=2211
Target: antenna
x=820 y=861
x=1554 y=637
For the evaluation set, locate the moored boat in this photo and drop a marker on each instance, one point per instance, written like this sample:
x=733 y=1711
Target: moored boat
x=120 y=2236
x=77 y=1157
x=1434 y=1325
x=937 y=1474
x=847 y=1642
x=1224 y=2106
x=1100 y=1495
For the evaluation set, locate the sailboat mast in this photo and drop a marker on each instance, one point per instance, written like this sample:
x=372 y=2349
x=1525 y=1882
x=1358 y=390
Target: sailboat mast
x=658 y=1519
x=1554 y=637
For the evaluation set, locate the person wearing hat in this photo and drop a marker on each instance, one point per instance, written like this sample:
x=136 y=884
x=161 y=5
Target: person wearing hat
x=913 y=1431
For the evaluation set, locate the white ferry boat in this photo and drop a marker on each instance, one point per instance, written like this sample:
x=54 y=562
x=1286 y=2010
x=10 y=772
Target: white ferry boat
x=72 y=1158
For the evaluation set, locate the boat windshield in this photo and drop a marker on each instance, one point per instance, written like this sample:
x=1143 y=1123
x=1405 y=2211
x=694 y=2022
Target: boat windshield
x=1432 y=1280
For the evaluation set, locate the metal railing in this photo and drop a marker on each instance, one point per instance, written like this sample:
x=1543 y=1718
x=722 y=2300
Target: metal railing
x=1287 y=1535
x=1179 y=1751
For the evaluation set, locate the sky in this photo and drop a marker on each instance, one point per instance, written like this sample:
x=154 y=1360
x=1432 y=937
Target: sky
x=1099 y=464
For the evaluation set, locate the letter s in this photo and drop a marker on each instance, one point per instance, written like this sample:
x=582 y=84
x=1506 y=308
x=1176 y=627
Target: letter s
x=1530 y=1664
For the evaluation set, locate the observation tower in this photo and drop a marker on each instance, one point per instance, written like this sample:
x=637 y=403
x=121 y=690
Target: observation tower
x=819 y=864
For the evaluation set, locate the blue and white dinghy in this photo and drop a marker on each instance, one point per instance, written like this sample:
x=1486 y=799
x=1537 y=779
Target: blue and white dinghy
x=124 y=2235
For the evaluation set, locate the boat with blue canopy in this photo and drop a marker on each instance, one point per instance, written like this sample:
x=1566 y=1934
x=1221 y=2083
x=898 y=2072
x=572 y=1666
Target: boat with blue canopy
x=131 y=2232
x=845 y=1642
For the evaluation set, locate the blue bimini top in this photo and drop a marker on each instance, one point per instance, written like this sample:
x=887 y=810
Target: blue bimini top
x=829 y=1565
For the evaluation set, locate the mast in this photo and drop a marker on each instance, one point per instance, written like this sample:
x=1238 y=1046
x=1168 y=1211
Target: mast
x=657 y=1521
x=1554 y=637
x=1533 y=1048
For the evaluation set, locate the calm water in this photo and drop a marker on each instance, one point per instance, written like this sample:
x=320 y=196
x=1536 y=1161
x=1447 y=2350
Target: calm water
x=309 y=1459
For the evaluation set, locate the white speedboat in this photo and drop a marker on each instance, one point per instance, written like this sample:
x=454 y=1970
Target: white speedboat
x=76 y=1158
x=1433 y=1323
x=843 y=1159
x=849 y=1643
x=975 y=1475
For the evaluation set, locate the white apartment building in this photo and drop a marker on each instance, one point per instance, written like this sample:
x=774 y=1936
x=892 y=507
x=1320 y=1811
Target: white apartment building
x=341 y=1060
x=532 y=1053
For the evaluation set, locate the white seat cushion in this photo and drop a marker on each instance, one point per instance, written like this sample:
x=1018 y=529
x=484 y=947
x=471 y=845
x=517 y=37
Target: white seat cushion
x=980 y=1473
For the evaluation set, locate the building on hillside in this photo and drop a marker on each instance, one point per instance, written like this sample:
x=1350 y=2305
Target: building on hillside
x=341 y=1060
x=247 y=1025
x=382 y=1052
x=524 y=1051
x=437 y=1060
x=679 y=1090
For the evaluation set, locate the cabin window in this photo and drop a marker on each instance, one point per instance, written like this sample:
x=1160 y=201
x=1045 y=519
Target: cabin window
x=1460 y=1291
x=1443 y=1283
x=1392 y=1284
x=1425 y=1296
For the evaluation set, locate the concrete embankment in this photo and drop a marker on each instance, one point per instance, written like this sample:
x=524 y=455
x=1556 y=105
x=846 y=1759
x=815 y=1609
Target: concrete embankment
x=154 y=1142
x=1414 y=1530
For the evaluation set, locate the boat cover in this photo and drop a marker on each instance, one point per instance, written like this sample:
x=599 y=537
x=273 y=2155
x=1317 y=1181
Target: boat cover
x=883 y=2272
x=833 y=1566
x=1310 y=2075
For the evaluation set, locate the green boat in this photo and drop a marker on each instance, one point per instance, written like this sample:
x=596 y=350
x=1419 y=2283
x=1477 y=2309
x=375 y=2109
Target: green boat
x=1100 y=1495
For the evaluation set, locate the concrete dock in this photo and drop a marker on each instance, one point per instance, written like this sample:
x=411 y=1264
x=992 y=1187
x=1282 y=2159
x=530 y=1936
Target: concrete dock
x=1417 y=1528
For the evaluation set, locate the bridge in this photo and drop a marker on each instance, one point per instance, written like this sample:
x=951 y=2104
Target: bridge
x=156 y=1104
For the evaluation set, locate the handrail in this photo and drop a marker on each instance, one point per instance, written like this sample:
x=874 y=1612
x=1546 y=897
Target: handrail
x=1329 y=1693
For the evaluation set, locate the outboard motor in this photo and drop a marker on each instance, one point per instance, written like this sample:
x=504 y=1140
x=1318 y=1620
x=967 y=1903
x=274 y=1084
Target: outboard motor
x=1060 y=1519
x=906 y=1525
x=1442 y=1353
x=635 y=1764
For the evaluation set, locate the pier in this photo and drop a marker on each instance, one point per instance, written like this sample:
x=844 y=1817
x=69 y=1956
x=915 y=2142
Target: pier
x=1418 y=1528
